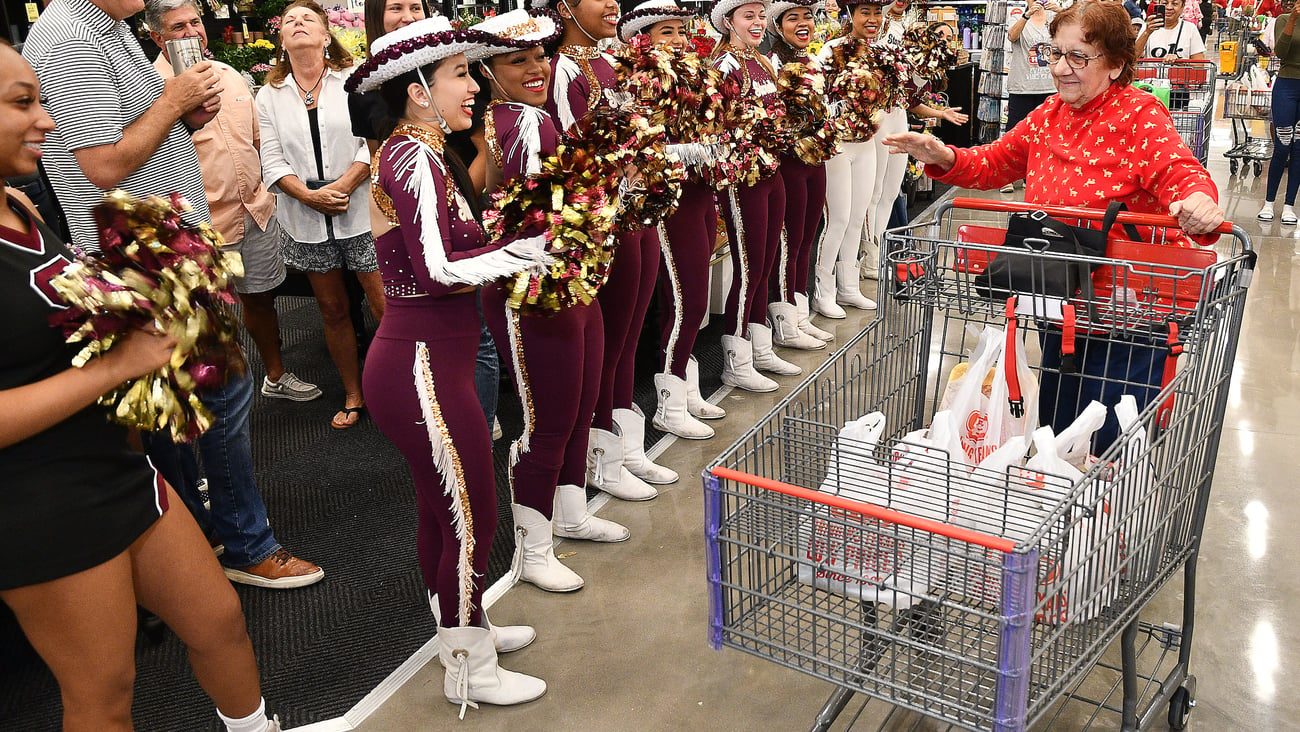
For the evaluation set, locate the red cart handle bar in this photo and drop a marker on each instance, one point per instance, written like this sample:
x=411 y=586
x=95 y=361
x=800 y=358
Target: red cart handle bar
x=866 y=509
x=1094 y=214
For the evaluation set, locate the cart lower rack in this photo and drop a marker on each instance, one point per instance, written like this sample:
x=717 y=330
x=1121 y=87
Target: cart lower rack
x=1243 y=106
x=981 y=616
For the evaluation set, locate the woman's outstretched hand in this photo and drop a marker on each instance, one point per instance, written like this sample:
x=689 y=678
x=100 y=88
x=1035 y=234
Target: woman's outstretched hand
x=925 y=148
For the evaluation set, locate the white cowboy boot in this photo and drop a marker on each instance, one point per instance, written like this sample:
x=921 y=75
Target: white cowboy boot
x=760 y=336
x=805 y=322
x=473 y=676
x=784 y=318
x=506 y=638
x=823 y=298
x=631 y=422
x=672 y=415
x=606 y=471
x=539 y=565
x=738 y=367
x=846 y=287
x=570 y=518
x=696 y=404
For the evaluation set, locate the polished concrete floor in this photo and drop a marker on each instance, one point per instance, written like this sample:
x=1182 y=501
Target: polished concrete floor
x=629 y=651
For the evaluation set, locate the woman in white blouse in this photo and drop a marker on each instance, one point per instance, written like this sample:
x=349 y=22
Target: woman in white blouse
x=320 y=172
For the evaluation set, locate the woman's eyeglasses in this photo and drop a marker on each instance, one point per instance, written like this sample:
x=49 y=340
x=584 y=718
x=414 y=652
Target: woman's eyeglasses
x=1076 y=59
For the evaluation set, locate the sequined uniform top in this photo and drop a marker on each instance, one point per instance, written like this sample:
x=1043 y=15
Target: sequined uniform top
x=582 y=79
x=1121 y=146
x=750 y=72
x=521 y=137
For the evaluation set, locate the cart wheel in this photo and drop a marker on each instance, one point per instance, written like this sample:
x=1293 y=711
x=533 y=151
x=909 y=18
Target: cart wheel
x=1180 y=707
x=1232 y=166
x=1259 y=168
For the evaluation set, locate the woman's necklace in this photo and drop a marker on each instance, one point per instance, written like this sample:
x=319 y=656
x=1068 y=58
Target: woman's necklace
x=308 y=97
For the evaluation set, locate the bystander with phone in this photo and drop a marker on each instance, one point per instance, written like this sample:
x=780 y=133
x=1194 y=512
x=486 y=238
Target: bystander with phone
x=1167 y=36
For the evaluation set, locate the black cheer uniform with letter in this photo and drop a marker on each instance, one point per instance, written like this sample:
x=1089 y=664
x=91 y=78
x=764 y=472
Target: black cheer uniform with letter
x=76 y=495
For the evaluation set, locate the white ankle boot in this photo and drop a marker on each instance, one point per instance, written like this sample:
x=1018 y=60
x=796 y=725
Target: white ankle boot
x=473 y=676
x=606 y=471
x=765 y=359
x=672 y=415
x=738 y=367
x=570 y=518
x=505 y=638
x=847 y=277
x=539 y=566
x=784 y=318
x=696 y=404
x=631 y=422
x=823 y=298
x=805 y=321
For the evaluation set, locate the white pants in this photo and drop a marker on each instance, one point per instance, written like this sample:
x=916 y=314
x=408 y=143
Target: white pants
x=889 y=173
x=850 y=178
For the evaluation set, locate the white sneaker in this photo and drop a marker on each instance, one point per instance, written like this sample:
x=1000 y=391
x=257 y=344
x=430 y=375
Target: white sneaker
x=1008 y=188
x=289 y=387
x=1266 y=213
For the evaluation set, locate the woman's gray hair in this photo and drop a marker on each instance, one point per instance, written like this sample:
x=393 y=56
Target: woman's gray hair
x=154 y=10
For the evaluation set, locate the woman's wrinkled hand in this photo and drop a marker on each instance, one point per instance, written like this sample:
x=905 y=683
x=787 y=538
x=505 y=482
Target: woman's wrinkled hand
x=1197 y=214
x=925 y=148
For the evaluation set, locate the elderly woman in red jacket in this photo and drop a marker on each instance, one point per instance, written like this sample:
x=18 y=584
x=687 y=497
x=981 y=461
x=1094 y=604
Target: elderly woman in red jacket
x=1097 y=140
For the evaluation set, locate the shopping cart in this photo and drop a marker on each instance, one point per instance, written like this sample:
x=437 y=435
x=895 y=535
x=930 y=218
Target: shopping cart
x=900 y=599
x=1244 y=106
x=1191 y=98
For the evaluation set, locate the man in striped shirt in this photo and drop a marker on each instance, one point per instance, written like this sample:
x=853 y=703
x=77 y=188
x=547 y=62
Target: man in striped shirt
x=119 y=125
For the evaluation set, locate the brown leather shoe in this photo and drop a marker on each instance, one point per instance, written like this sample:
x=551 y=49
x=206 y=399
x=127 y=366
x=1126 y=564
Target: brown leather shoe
x=280 y=571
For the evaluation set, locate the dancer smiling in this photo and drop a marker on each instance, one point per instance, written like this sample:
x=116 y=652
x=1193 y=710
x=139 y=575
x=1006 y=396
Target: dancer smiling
x=549 y=460
x=583 y=79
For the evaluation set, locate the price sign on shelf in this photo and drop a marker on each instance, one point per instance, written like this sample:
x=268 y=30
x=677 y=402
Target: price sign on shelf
x=33 y=12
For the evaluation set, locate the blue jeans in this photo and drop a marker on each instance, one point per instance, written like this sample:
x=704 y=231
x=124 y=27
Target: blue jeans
x=238 y=516
x=1286 y=148
x=487 y=369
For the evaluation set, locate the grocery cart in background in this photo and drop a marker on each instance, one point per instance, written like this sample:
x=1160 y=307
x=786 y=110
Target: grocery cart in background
x=823 y=559
x=1190 y=98
x=1245 y=107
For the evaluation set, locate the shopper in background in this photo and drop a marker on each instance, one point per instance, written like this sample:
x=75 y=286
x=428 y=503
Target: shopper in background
x=121 y=126
x=1286 y=117
x=1029 y=75
x=243 y=210
x=85 y=529
x=1169 y=36
x=322 y=172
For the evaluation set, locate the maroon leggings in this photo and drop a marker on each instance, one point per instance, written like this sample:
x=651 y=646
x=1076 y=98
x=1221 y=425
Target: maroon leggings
x=805 y=197
x=624 y=299
x=555 y=363
x=433 y=420
x=689 y=237
x=759 y=212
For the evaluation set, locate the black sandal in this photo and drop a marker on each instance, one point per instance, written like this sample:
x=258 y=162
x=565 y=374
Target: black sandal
x=346 y=412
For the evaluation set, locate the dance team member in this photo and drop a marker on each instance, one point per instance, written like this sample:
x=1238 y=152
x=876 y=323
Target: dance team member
x=582 y=79
x=805 y=193
x=753 y=213
x=686 y=242
x=851 y=181
x=555 y=357
x=419 y=376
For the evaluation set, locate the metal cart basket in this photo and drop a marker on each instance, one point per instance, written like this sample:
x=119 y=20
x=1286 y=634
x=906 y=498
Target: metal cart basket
x=1191 y=98
x=1243 y=106
x=955 y=613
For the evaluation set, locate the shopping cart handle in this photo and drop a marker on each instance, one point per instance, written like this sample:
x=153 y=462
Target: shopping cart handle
x=1202 y=62
x=1093 y=214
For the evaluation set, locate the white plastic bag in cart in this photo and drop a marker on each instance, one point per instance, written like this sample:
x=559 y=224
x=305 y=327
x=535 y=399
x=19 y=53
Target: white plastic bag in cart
x=980 y=502
x=864 y=558
x=967 y=395
x=1137 y=500
x=1078 y=571
x=1013 y=402
x=1075 y=442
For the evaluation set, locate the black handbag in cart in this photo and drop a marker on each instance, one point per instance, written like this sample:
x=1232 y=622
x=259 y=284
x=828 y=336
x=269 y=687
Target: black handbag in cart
x=1011 y=273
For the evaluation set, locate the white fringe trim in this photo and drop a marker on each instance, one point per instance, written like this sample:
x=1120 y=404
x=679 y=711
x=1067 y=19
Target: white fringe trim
x=671 y=266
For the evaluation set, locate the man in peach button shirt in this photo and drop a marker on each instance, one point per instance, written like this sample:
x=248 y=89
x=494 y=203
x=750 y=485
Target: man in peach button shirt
x=243 y=210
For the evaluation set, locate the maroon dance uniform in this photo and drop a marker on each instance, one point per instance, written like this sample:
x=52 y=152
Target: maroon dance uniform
x=75 y=495
x=805 y=198
x=555 y=358
x=688 y=238
x=754 y=214
x=582 y=79
x=419 y=375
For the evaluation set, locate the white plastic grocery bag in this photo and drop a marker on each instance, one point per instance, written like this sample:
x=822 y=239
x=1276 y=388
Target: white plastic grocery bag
x=1074 y=443
x=967 y=395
